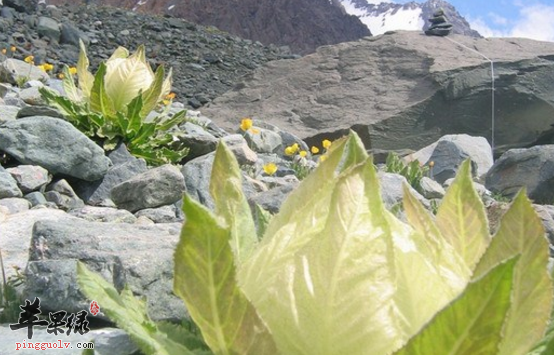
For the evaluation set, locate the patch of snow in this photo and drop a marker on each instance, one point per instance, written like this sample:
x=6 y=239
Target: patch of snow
x=171 y=7
x=404 y=18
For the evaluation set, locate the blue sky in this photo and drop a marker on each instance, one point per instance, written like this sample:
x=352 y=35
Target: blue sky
x=508 y=18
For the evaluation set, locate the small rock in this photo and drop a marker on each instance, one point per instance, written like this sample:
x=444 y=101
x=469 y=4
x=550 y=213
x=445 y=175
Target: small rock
x=8 y=186
x=30 y=177
x=164 y=214
x=103 y=214
x=15 y=204
x=431 y=189
x=157 y=187
x=36 y=198
x=238 y=145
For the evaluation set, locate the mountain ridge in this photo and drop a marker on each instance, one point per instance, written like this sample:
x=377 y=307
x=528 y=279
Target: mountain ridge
x=302 y=25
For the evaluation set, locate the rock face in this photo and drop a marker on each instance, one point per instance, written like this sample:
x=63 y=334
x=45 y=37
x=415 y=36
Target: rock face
x=139 y=256
x=531 y=168
x=402 y=90
x=55 y=145
x=303 y=25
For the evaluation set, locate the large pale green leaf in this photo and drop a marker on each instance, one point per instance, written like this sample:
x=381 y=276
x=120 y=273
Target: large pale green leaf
x=231 y=204
x=129 y=313
x=360 y=286
x=302 y=215
x=127 y=77
x=205 y=280
x=472 y=324
x=86 y=79
x=68 y=83
x=462 y=220
x=152 y=96
x=99 y=99
x=521 y=233
x=546 y=345
x=437 y=250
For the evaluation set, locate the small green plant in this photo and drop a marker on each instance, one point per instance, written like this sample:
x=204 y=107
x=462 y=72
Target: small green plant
x=301 y=168
x=9 y=299
x=499 y=197
x=336 y=273
x=412 y=171
x=113 y=105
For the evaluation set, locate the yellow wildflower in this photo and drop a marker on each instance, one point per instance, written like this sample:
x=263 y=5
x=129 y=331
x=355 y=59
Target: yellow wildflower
x=42 y=67
x=166 y=102
x=170 y=96
x=431 y=164
x=61 y=76
x=48 y=67
x=303 y=153
x=29 y=59
x=315 y=150
x=270 y=168
x=326 y=143
x=13 y=49
x=289 y=151
x=295 y=147
x=4 y=50
x=72 y=70
x=246 y=124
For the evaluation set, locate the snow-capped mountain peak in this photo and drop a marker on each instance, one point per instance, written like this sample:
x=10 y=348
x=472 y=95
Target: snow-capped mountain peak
x=381 y=17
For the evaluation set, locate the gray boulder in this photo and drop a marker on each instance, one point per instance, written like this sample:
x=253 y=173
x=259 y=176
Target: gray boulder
x=198 y=140
x=103 y=214
x=16 y=235
x=69 y=34
x=138 y=256
x=272 y=200
x=431 y=189
x=15 y=204
x=531 y=168
x=157 y=187
x=401 y=90
x=8 y=186
x=8 y=113
x=392 y=190
x=55 y=145
x=98 y=193
x=164 y=214
x=12 y=70
x=36 y=198
x=452 y=150
x=264 y=141
x=48 y=27
x=30 y=177
x=238 y=145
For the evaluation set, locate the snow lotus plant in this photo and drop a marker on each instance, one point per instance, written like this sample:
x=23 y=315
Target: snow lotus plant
x=113 y=104
x=336 y=273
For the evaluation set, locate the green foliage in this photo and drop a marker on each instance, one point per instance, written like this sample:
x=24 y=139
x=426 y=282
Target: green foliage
x=336 y=273
x=129 y=313
x=412 y=171
x=113 y=105
x=301 y=169
x=9 y=298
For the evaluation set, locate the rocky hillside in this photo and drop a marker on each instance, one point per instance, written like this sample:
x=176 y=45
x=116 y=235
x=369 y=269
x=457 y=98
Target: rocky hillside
x=412 y=16
x=206 y=62
x=404 y=89
x=303 y=25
